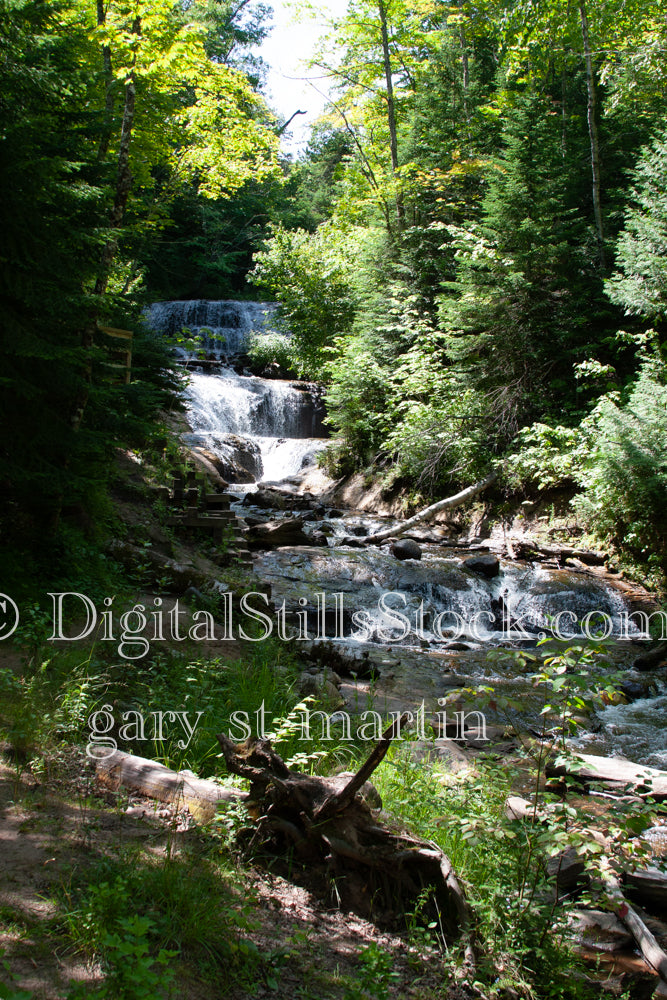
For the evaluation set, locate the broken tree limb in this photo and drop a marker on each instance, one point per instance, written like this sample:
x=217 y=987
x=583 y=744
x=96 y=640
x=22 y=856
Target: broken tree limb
x=328 y=825
x=343 y=798
x=429 y=512
x=155 y=781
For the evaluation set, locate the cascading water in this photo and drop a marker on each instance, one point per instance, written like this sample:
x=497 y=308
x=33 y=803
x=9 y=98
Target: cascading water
x=268 y=430
x=221 y=327
x=261 y=429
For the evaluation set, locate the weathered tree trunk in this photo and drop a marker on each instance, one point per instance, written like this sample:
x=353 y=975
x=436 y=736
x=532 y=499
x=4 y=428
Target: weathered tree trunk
x=593 y=133
x=105 y=139
x=429 y=512
x=155 y=781
x=327 y=824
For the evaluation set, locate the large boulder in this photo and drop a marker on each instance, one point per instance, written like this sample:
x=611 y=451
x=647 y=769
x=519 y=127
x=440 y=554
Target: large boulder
x=653 y=658
x=276 y=534
x=405 y=548
x=239 y=459
x=483 y=565
x=209 y=463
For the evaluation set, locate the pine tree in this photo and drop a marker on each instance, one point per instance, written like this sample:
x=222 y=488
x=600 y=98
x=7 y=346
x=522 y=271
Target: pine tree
x=515 y=314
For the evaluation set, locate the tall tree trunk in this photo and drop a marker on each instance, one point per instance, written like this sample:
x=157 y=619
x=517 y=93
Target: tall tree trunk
x=463 y=41
x=593 y=133
x=123 y=178
x=391 y=114
x=105 y=138
x=121 y=194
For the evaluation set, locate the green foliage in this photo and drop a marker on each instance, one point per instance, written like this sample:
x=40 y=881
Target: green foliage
x=136 y=915
x=271 y=348
x=311 y=276
x=375 y=975
x=626 y=477
x=512 y=316
x=640 y=282
x=130 y=970
x=548 y=456
x=9 y=990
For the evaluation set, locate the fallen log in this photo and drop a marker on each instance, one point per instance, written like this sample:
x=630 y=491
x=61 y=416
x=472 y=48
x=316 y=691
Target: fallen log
x=620 y=774
x=155 y=781
x=429 y=512
x=562 y=867
x=326 y=823
x=587 y=556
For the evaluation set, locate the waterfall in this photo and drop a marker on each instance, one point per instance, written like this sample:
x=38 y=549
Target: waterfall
x=259 y=429
x=222 y=327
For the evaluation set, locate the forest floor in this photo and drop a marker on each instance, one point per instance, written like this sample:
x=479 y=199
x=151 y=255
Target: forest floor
x=55 y=831
x=240 y=929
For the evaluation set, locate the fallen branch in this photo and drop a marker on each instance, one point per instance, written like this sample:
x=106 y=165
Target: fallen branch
x=155 y=781
x=429 y=512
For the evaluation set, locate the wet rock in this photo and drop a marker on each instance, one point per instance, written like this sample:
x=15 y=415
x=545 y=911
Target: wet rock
x=568 y=870
x=635 y=688
x=486 y=565
x=276 y=534
x=406 y=548
x=319 y=538
x=269 y=497
x=338 y=659
x=653 y=658
x=239 y=460
x=600 y=930
x=193 y=594
x=266 y=499
x=209 y=463
x=322 y=686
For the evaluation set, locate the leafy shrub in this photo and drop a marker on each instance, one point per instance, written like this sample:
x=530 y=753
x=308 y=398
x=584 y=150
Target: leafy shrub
x=311 y=275
x=271 y=348
x=626 y=478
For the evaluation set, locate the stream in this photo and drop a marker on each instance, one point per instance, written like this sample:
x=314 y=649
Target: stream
x=413 y=629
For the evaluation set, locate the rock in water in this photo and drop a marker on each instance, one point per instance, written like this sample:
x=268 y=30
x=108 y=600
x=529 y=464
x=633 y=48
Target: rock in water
x=486 y=565
x=405 y=548
x=239 y=459
x=652 y=658
x=276 y=534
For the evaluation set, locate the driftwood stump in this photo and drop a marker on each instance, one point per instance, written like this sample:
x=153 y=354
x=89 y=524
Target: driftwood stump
x=328 y=826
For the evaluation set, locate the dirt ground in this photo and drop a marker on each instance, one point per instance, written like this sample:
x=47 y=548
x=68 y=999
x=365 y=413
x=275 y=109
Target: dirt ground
x=51 y=827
